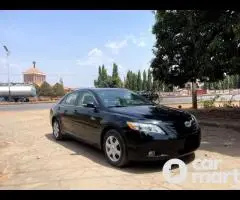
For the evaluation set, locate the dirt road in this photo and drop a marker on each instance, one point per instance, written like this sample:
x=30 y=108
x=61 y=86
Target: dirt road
x=31 y=159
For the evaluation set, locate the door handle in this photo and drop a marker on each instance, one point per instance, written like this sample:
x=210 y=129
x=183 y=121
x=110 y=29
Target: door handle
x=75 y=111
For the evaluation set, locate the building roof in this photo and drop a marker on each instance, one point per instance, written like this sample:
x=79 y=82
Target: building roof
x=33 y=70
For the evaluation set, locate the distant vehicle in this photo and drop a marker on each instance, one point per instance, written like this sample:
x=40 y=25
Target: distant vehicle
x=125 y=125
x=18 y=92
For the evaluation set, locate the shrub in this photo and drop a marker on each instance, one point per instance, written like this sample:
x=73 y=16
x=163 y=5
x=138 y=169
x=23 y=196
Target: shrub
x=210 y=103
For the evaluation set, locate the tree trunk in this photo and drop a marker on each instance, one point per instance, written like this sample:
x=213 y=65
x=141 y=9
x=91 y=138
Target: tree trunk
x=194 y=95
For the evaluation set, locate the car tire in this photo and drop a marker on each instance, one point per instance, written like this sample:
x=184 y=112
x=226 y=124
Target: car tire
x=115 y=149
x=57 y=132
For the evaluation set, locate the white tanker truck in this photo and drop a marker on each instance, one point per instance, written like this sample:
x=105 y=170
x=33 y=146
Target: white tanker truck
x=18 y=92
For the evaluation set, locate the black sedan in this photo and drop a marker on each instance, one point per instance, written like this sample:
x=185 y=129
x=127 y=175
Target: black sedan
x=125 y=125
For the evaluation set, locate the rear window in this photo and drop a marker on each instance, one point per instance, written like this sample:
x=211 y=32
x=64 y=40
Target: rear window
x=70 y=99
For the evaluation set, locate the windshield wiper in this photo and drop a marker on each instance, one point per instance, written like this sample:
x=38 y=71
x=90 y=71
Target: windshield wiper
x=143 y=104
x=116 y=106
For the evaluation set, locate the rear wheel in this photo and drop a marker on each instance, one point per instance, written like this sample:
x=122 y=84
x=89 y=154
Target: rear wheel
x=57 y=133
x=115 y=149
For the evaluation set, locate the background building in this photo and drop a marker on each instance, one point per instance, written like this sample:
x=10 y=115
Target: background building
x=34 y=75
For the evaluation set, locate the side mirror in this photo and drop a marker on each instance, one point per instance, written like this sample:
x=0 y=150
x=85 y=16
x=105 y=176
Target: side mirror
x=90 y=105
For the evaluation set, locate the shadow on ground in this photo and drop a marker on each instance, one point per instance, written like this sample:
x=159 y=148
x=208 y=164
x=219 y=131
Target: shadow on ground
x=221 y=140
x=83 y=149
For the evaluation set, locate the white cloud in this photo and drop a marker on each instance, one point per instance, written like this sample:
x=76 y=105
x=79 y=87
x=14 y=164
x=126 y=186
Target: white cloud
x=95 y=57
x=141 y=44
x=116 y=46
x=138 y=41
x=95 y=52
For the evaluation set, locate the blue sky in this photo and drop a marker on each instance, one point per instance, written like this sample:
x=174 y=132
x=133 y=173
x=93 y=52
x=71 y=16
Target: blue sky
x=72 y=44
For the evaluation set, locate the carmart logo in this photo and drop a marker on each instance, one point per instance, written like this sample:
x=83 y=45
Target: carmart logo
x=204 y=171
x=167 y=171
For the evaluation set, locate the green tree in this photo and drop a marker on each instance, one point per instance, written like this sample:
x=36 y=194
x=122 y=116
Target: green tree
x=98 y=82
x=225 y=83
x=235 y=81
x=194 y=44
x=58 y=90
x=45 y=89
x=149 y=81
x=128 y=80
x=135 y=82
x=139 y=81
x=131 y=80
x=205 y=85
x=115 y=79
x=103 y=80
x=144 y=83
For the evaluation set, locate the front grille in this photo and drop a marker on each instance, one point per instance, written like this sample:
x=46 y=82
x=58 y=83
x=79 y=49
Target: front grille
x=179 y=128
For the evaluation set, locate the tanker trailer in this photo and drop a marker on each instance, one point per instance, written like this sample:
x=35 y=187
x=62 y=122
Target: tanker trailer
x=18 y=92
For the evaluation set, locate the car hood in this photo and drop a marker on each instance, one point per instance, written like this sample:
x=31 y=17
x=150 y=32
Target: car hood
x=161 y=113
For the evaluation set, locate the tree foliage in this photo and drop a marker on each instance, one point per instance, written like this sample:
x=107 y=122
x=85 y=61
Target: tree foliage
x=139 y=81
x=194 y=44
x=104 y=80
x=149 y=81
x=45 y=89
x=144 y=83
x=229 y=82
x=58 y=90
x=115 y=79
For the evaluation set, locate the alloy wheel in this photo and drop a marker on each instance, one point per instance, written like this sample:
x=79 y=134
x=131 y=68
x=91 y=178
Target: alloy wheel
x=113 y=148
x=56 y=129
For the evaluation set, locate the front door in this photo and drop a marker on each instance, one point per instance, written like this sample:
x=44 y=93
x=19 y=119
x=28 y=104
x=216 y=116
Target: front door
x=87 y=120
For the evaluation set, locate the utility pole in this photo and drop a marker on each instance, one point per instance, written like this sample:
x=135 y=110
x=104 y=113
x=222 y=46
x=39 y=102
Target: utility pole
x=7 y=54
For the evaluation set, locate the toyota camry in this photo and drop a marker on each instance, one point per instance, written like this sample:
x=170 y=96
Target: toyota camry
x=124 y=125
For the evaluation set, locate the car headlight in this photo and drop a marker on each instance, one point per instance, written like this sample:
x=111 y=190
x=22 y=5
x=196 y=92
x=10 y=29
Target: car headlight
x=194 y=118
x=147 y=128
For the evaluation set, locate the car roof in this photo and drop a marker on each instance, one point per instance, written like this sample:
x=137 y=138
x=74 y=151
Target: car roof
x=100 y=89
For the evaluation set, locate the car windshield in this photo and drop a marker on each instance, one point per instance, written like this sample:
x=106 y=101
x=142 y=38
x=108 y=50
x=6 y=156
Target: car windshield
x=121 y=98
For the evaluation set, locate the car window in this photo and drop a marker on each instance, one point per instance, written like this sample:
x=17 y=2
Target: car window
x=116 y=98
x=71 y=98
x=86 y=98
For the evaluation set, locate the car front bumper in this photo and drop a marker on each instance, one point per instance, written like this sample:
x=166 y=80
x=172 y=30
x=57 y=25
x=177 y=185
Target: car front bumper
x=165 y=149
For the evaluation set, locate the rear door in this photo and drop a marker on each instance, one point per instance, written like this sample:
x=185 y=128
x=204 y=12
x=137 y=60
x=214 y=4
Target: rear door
x=66 y=110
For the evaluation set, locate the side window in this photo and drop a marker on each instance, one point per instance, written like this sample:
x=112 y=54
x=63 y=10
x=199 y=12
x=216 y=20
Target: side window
x=86 y=98
x=71 y=98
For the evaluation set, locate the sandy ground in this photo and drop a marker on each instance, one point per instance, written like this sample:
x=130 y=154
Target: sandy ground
x=31 y=159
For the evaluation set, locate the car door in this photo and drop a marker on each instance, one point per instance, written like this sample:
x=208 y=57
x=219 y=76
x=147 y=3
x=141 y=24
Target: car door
x=87 y=119
x=66 y=110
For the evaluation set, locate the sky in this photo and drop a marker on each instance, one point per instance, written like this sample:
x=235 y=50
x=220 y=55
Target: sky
x=72 y=44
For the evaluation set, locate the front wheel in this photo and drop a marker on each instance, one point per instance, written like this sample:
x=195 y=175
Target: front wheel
x=115 y=149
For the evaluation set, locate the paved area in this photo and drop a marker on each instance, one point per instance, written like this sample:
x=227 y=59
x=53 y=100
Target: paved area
x=25 y=107
x=31 y=159
x=188 y=99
